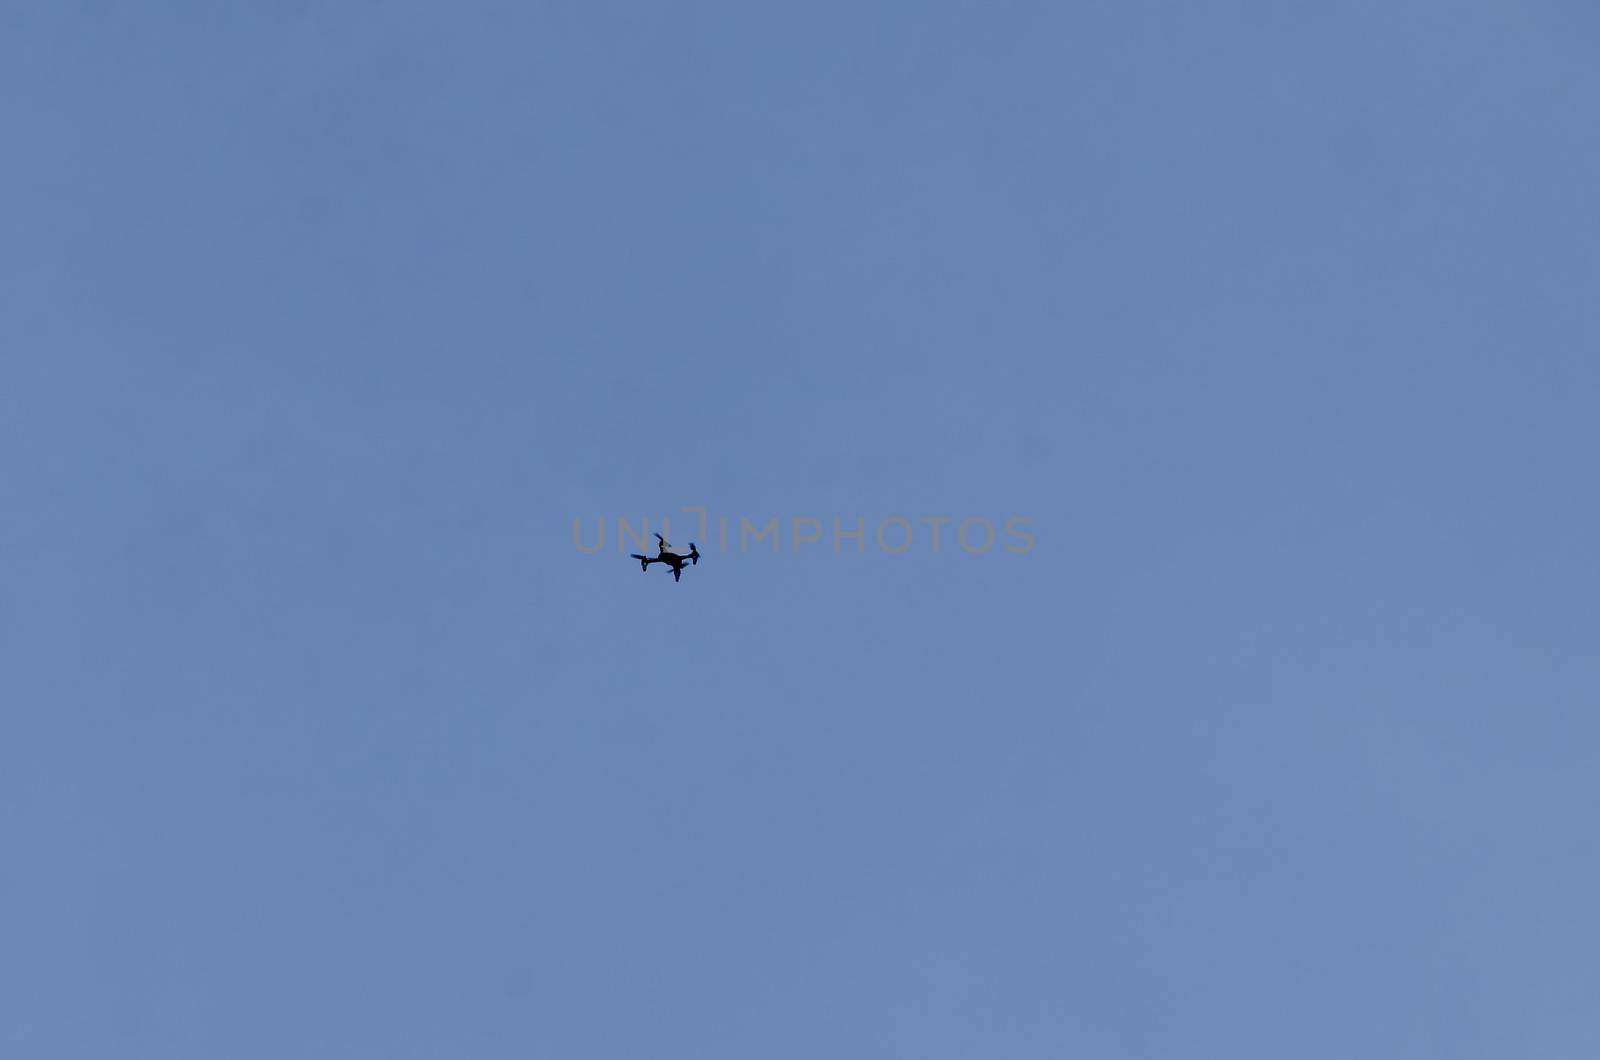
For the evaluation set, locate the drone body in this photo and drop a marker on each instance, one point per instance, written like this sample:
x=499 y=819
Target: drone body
x=675 y=560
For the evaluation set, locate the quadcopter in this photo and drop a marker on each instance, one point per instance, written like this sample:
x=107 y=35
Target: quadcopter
x=675 y=560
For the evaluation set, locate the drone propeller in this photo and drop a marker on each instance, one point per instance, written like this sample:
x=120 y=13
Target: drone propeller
x=694 y=554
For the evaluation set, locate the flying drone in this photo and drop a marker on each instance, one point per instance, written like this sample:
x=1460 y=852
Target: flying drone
x=675 y=560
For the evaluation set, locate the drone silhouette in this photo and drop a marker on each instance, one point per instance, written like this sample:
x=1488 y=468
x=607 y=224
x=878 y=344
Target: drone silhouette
x=675 y=560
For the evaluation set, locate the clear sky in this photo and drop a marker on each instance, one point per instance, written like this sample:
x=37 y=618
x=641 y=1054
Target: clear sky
x=321 y=323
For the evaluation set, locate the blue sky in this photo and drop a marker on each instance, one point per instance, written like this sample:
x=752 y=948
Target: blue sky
x=322 y=323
